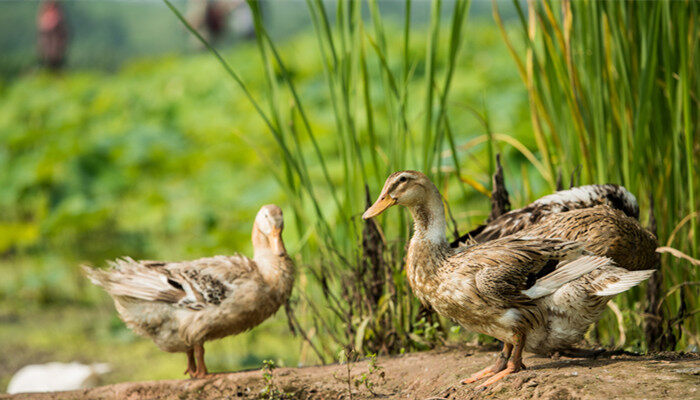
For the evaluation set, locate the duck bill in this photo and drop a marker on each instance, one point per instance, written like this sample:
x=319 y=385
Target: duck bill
x=378 y=207
x=276 y=243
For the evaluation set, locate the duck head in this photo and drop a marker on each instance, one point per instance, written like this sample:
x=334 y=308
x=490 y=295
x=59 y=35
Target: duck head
x=413 y=190
x=267 y=229
x=406 y=188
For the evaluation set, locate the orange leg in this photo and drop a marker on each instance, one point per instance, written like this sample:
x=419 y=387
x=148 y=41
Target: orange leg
x=201 y=371
x=515 y=364
x=191 y=365
x=499 y=366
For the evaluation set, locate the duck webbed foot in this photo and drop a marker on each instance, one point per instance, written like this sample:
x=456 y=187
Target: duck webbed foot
x=511 y=368
x=514 y=365
x=499 y=366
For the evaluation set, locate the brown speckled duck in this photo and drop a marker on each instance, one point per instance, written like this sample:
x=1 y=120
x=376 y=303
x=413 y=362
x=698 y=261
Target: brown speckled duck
x=181 y=305
x=534 y=294
x=577 y=198
x=604 y=217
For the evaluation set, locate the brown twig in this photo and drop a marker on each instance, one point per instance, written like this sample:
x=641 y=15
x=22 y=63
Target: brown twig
x=678 y=254
x=499 y=195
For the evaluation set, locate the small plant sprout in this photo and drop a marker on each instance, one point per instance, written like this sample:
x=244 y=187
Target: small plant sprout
x=346 y=356
x=374 y=371
x=270 y=391
x=368 y=380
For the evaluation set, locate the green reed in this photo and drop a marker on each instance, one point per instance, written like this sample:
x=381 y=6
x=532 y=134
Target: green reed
x=613 y=87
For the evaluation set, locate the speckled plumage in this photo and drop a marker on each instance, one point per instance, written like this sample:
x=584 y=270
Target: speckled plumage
x=533 y=293
x=605 y=232
x=478 y=285
x=578 y=198
x=604 y=218
x=181 y=305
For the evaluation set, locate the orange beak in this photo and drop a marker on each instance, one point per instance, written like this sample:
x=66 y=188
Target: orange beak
x=379 y=206
x=276 y=242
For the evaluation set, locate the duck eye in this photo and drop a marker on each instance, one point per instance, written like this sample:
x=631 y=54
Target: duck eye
x=403 y=179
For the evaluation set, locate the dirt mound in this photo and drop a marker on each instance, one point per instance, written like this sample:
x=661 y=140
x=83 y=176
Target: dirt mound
x=433 y=375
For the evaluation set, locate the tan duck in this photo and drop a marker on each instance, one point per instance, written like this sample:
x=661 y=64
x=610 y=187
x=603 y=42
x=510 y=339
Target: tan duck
x=181 y=305
x=534 y=294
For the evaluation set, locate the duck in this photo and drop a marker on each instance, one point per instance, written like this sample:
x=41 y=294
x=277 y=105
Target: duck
x=532 y=293
x=182 y=305
x=577 y=198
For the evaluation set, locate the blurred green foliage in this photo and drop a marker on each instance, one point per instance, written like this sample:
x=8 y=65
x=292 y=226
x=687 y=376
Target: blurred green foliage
x=101 y=166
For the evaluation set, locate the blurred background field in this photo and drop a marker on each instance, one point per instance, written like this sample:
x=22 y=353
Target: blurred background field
x=143 y=146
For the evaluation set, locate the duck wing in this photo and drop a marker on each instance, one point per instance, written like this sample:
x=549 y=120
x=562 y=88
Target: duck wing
x=514 y=271
x=192 y=284
x=576 y=198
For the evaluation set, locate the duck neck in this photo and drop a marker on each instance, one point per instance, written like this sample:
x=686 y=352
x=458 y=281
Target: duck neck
x=429 y=221
x=428 y=248
x=277 y=270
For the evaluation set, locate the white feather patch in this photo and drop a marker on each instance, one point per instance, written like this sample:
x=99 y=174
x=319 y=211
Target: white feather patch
x=627 y=281
x=510 y=317
x=589 y=194
x=629 y=198
x=565 y=272
x=580 y=194
x=436 y=233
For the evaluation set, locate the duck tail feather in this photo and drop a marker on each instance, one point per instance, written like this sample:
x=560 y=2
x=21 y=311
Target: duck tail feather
x=566 y=272
x=96 y=276
x=626 y=281
x=129 y=280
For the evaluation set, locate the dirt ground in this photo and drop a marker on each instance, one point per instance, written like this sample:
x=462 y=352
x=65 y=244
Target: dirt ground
x=434 y=375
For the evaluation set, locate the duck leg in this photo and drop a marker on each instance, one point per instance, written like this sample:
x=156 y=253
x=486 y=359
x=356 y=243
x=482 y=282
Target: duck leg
x=191 y=365
x=499 y=366
x=201 y=371
x=514 y=365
